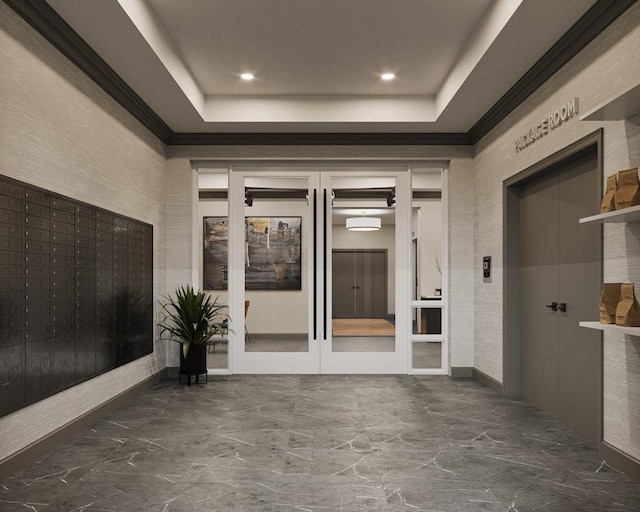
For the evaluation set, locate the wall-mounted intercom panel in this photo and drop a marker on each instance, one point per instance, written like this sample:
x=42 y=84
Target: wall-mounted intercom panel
x=486 y=267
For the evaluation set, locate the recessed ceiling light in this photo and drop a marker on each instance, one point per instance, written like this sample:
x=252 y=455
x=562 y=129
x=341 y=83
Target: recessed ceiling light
x=247 y=76
x=388 y=76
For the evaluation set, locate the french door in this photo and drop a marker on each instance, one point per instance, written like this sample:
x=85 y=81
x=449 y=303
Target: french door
x=285 y=225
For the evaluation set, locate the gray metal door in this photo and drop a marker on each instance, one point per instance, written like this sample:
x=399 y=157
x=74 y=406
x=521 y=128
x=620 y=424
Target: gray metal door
x=343 y=279
x=359 y=283
x=560 y=262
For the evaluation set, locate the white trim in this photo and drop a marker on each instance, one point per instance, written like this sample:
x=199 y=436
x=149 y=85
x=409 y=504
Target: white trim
x=441 y=302
x=245 y=362
x=196 y=227
x=446 y=317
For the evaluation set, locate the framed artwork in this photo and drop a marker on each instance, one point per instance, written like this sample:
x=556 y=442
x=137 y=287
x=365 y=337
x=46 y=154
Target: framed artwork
x=272 y=253
x=216 y=253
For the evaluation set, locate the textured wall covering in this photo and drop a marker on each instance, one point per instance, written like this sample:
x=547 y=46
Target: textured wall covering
x=622 y=263
x=61 y=132
x=460 y=211
x=609 y=65
x=461 y=261
x=179 y=204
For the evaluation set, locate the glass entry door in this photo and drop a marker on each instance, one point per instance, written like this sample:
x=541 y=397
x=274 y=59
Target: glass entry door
x=319 y=271
x=366 y=250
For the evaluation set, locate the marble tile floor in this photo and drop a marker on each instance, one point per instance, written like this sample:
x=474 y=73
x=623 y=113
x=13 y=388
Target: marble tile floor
x=323 y=444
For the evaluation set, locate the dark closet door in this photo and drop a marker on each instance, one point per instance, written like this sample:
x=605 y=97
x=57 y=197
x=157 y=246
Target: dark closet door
x=359 y=283
x=560 y=261
x=344 y=299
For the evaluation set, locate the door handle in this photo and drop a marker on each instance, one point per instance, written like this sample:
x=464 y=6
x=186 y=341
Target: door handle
x=553 y=306
x=325 y=210
x=355 y=287
x=562 y=307
x=315 y=264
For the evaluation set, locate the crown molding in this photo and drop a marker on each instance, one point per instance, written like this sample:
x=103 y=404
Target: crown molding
x=42 y=17
x=320 y=139
x=593 y=22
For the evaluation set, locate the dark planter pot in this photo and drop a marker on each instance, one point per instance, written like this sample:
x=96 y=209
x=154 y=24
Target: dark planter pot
x=195 y=364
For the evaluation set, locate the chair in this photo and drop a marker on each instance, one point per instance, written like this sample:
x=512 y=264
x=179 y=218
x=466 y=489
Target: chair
x=224 y=330
x=246 y=310
x=211 y=344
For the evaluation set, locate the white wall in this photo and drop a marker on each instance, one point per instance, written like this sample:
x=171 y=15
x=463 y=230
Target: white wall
x=461 y=261
x=429 y=233
x=61 y=132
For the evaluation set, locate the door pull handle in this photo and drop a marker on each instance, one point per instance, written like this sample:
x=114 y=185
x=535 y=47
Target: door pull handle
x=315 y=264
x=562 y=307
x=325 y=257
x=553 y=306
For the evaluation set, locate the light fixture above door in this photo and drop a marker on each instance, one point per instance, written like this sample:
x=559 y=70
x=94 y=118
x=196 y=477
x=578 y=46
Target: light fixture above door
x=364 y=223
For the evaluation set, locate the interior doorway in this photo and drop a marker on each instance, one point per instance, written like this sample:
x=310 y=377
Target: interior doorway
x=297 y=232
x=554 y=275
x=289 y=221
x=359 y=283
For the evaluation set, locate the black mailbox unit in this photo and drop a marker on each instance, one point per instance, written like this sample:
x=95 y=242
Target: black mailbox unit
x=76 y=292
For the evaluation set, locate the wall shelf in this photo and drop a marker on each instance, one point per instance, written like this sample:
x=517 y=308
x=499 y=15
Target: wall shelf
x=632 y=331
x=631 y=214
x=622 y=106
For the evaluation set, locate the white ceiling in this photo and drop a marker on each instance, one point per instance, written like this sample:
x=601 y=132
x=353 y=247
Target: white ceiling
x=318 y=62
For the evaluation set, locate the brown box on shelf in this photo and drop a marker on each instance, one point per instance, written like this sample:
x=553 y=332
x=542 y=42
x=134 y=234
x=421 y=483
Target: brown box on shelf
x=608 y=201
x=609 y=298
x=628 y=310
x=628 y=192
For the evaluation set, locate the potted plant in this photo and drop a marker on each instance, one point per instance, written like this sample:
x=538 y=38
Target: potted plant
x=192 y=318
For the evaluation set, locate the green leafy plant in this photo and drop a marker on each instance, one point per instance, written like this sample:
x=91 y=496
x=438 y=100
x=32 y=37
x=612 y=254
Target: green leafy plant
x=192 y=317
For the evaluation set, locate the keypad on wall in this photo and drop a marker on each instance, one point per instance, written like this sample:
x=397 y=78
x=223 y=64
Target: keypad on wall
x=76 y=292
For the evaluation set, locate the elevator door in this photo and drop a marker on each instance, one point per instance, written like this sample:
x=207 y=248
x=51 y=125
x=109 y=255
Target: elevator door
x=560 y=261
x=359 y=283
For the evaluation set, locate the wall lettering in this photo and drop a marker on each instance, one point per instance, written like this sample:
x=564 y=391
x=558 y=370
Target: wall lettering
x=547 y=125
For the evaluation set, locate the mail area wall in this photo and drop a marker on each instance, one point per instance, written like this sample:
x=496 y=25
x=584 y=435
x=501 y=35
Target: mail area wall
x=62 y=133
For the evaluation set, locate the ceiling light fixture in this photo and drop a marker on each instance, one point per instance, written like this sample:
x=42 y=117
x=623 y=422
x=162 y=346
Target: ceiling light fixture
x=387 y=76
x=363 y=223
x=247 y=76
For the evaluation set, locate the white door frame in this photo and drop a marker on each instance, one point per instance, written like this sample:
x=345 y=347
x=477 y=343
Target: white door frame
x=319 y=358
x=241 y=361
x=443 y=302
x=373 y=362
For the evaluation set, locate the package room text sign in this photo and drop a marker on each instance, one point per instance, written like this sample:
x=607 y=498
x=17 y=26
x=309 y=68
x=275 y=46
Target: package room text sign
x=548 y=124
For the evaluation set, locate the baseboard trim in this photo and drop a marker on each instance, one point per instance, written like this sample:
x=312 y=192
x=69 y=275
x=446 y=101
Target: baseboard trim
x=462 y=372
x=487 y=381
x=619 y=460
x=40 y=448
